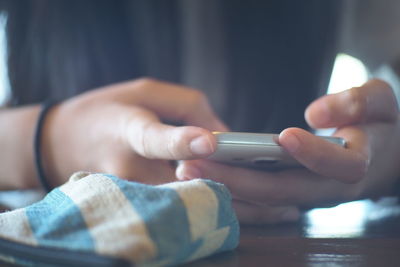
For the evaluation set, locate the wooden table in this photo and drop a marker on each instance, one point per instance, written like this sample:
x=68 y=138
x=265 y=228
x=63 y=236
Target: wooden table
x=361 y=233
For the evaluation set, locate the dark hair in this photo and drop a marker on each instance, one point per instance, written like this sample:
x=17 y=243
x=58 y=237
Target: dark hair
x=58 y=48
x=278 y=58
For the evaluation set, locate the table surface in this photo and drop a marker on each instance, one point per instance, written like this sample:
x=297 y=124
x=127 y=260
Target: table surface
x=360 y=233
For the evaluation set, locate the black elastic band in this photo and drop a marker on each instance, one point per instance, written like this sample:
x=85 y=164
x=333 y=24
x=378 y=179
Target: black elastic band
x=37 y=143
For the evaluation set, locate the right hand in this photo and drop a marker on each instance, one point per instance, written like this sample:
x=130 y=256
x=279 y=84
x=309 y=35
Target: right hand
x=367 y=117
x=117 y=129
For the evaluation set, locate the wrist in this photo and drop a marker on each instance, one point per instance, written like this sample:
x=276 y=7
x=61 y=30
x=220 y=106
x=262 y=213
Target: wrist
x=16 y=135
x=50 y=149
x=42 y=169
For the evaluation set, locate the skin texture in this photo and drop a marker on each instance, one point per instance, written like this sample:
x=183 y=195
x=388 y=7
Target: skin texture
x=16 y=153
x=366 y=117
x=115 y=129
x=121 y=129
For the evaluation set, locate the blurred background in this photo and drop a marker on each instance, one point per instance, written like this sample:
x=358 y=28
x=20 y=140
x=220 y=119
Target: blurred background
x=356 y=62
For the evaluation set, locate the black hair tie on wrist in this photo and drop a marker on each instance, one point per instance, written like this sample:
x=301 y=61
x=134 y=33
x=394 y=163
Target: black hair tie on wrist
x=37 y=142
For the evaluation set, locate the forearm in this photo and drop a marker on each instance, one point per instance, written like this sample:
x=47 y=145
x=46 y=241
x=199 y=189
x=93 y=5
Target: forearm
x=17 y=126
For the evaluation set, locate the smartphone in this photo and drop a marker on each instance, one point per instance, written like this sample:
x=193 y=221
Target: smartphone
x=257 y=150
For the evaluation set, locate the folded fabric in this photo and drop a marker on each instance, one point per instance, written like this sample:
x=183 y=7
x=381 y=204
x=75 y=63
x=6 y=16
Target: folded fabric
x=146 y=225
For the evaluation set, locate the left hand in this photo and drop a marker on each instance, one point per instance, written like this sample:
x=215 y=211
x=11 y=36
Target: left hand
x=367 y=117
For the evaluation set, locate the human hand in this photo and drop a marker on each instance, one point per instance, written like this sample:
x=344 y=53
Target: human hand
x=366 y=117
x=117 y=129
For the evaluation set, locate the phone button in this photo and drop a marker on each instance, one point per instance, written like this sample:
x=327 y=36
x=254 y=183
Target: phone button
x=265 y=161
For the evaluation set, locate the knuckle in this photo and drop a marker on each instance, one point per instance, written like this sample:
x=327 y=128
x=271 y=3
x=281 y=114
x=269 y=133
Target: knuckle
x=173 y=144
x=145 y=146
x=145 y=82
x=140 y=145
x=198 y=98
x=357 y=103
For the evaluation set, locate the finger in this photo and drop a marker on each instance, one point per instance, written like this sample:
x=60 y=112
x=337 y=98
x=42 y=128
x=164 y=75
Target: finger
x=131 y=167
x=257 y=214
x=257 y=187
x=288 y=187
x=173 y=102
x=327 y=159
x=154 y=140
x=374 y=101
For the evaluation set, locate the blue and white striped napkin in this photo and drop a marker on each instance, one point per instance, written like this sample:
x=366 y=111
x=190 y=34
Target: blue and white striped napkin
x=151 y=225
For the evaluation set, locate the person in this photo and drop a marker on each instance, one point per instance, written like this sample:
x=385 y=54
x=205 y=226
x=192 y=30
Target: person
x=260 y=65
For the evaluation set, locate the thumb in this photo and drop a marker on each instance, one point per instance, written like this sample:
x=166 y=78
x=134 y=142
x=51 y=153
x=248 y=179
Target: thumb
x=154 y=140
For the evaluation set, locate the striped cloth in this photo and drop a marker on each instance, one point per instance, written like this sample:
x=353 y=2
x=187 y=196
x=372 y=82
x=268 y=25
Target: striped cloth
x=151 y=225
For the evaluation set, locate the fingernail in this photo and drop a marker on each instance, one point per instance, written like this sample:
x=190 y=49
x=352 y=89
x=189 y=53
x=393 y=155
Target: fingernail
x=201 y=146
x=292 y=143
x=187 y=172
x=290 y=215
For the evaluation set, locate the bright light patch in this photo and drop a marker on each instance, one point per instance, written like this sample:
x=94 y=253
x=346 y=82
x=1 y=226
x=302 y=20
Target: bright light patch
x=4 y=81
x=347 y=72
x=345 y=220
